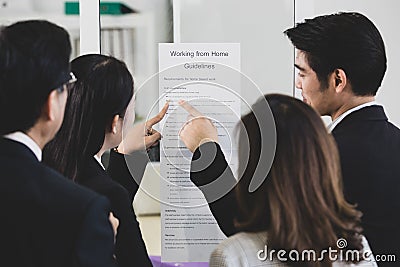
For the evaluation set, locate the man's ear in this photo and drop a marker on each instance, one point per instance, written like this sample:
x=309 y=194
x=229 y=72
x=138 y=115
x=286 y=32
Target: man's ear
x=339 y=80
x=49 y=108
x=114 y=124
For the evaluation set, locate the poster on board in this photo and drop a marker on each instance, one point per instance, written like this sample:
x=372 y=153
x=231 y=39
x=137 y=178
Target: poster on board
x=207 y=76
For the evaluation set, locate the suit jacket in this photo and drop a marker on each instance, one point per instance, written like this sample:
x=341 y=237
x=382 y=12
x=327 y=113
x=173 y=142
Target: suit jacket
x=47 y=220
x=369 y=148
x=130 y=249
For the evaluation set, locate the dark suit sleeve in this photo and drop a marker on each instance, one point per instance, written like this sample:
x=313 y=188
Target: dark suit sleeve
x=128 y=170
x=130 y=247
x=212 y=175
x=95 y=244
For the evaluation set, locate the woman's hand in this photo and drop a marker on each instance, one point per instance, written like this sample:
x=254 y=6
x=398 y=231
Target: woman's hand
x=114 y=223
x=142 y=136
x=198 y=129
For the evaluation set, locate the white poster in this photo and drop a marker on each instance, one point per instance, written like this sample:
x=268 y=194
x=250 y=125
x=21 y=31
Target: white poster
x=207 y=76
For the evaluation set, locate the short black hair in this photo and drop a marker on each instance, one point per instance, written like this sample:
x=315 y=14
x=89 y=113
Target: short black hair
x=346 y=40
x=34 y=60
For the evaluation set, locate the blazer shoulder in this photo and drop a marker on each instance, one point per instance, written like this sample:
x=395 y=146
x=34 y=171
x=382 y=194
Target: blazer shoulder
x=99 y=181
x=34 y=188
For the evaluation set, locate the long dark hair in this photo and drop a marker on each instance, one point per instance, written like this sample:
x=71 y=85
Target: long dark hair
x=300 y=203
x=103 y=89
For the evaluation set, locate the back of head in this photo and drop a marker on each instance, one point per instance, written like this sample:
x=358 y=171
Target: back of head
x=300 y=202
x=103 y=89
x=34 y=60
x=348 y=41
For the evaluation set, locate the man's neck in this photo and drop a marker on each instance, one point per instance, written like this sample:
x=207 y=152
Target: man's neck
x=351 y=103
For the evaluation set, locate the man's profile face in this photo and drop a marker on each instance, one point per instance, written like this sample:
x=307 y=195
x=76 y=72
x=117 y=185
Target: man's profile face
x=311 y=88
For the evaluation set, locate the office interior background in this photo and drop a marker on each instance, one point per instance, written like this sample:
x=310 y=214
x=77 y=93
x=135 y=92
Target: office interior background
x=267 y=56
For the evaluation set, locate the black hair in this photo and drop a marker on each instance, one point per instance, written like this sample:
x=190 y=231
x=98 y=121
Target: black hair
x=34 y=60
x=103 y=89
x=348 y=41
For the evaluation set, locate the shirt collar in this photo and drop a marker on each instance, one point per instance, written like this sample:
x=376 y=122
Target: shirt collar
x=334 y=123
x=27 y=141
x=99 y=161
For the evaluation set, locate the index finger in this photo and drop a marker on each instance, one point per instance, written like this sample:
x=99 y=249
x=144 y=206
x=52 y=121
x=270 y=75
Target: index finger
x=158 y=117
x=190 y=109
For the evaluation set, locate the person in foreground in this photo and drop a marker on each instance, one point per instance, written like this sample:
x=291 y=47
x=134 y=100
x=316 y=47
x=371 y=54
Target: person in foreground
x=300 y=204
x=48 y=220
x=342 y=61
x=94 y=122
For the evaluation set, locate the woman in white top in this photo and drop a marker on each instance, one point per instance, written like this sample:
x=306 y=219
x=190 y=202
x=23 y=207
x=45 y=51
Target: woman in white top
x=299 y=209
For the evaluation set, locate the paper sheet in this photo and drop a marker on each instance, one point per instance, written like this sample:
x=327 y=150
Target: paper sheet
x=208 y=77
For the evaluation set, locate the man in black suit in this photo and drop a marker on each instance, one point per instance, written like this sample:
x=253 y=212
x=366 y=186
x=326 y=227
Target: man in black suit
x=47 y=220
x=341 y=62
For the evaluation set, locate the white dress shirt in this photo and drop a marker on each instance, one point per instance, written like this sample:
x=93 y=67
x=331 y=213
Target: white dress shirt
x=99 y=161
x=27 y=141
x=333 y=124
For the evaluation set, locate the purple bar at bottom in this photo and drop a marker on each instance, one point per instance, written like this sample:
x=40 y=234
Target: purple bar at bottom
x=156 y=260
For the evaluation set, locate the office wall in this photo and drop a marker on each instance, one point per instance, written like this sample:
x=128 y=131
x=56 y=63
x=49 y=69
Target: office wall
x=267 y=56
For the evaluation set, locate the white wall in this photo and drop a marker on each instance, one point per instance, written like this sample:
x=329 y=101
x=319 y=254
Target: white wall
x=267 y=55
x=258 y=25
